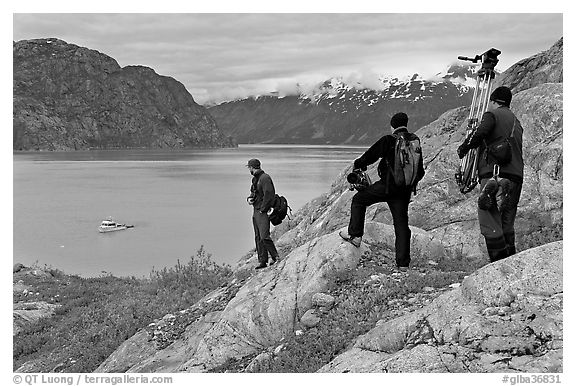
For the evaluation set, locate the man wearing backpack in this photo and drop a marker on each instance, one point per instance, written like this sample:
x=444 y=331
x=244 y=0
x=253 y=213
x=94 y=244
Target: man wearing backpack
x=262 y=196
x=500 y=186
x=398 y=180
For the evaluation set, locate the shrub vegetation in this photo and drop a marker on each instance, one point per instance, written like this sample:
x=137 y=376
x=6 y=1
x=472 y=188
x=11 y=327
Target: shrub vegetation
x=98 y=314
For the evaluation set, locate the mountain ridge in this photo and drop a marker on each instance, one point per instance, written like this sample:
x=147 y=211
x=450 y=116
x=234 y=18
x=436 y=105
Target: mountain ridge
x=68 y=97
x=343 y=111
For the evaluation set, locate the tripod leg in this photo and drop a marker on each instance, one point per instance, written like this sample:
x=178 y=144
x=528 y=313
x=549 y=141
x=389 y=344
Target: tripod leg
x=468 y=172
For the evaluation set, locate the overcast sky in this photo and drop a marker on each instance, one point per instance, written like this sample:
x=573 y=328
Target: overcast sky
x=225 y=56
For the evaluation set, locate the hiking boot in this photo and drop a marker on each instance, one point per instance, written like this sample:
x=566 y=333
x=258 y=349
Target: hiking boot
x=274 y=259
x=400 y=272
x=487 y=198
x=506 y=186
x=498 y=255
x=261 y=266
x=356 y=241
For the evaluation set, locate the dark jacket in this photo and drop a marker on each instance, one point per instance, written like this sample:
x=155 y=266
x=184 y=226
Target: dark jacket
x=263 y=191
x=384 y=148
x=495 y=125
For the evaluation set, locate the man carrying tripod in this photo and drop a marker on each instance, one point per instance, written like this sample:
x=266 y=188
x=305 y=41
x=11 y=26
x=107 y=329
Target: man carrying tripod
x=500 y=177
x=400 y=169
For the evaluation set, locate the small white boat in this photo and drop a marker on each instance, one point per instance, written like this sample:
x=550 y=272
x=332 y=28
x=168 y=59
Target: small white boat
x=111 y=226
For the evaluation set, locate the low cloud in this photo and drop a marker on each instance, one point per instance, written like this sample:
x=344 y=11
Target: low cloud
x=364 y=79
x=287 y=88
x=226 y=94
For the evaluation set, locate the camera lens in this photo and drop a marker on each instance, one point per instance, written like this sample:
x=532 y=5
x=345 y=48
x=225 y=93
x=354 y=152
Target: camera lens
x=353 y=178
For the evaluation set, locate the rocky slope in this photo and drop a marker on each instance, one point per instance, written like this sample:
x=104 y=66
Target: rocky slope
x=268 y=306
x=544 y=67
x=70 y=98
x=506 y=317
x=336 y=112
x=26 y=312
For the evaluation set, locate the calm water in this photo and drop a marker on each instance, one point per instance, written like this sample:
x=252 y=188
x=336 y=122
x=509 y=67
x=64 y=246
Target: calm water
x=177 y=201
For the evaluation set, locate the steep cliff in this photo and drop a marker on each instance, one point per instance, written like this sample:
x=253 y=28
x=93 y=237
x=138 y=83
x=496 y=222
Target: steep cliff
x=544 y=67
x=70 y=98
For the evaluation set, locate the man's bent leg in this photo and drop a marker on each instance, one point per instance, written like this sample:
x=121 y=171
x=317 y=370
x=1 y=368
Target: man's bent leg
x=361 y=200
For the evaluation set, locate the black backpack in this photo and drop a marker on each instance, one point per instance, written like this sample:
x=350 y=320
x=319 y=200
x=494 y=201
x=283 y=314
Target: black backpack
x=281 y=209
x=407 y=157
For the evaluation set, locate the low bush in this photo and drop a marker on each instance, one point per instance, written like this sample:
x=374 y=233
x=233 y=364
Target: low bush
x=99 y=314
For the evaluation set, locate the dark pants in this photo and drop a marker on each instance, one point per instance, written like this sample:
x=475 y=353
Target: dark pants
x=497 y=224
x=397 y=202
x=264 y=243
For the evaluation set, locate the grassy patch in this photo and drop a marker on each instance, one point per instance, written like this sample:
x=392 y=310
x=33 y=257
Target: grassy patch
x=358 y=307
x=99 y=314
x=542 y=236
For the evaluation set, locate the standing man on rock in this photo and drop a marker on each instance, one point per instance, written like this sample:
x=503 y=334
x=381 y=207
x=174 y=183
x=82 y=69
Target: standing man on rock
x=500 y=182
x=262 y=195
x=386 y=190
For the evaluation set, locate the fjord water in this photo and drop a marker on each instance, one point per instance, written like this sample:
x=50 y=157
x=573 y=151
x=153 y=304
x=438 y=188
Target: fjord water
x=176 y=200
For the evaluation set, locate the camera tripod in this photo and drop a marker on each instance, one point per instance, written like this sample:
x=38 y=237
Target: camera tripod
x=467 y=174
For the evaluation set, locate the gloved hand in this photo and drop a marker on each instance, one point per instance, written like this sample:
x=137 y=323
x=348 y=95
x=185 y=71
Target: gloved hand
x=354 y=168
x=462 y=150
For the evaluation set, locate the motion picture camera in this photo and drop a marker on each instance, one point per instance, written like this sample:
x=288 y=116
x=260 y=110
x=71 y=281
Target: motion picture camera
x=489 y=59
x=358 y=180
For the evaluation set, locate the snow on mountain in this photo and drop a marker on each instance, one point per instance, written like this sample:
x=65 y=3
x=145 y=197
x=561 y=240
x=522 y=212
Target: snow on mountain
x=351 y=110
x=460 y=74
x=409 y=87
x=456 y=81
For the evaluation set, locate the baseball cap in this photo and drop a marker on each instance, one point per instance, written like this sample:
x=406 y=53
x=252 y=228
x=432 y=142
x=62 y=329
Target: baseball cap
x=254 y=163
